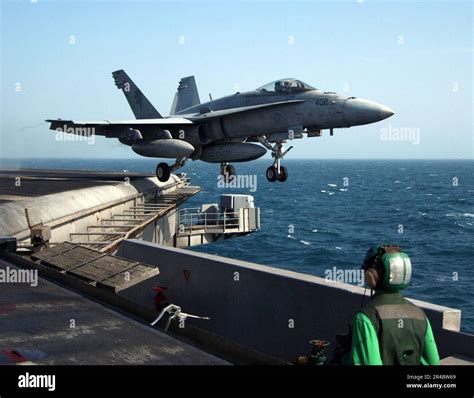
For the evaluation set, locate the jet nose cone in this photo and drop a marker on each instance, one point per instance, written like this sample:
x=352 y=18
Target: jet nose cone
x=385 y=112
x=359 y=111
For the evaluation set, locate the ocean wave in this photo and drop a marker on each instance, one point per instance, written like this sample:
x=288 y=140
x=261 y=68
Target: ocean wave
x=324 y=231
x=469 y=215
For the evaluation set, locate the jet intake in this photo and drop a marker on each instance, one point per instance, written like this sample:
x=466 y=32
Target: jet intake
x=165 y=148
x=243 y=152
x=211 y=131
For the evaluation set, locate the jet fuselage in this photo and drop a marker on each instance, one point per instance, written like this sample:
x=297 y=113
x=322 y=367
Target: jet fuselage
x=317 y=110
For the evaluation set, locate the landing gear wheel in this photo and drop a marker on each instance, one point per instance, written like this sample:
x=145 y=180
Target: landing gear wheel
x=282 y=177
x=229 y=169
x=163 y=172
x=276 y=171
x=271 y=174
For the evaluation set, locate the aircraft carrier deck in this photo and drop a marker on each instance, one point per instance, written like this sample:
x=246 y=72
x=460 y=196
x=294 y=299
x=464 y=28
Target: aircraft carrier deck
x=64 y=321
x=96 y=296
x=50 y=316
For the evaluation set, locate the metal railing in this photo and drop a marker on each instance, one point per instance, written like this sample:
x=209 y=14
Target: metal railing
x=108 y=233
x=194 y=219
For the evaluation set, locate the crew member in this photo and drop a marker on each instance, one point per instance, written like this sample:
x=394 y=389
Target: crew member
x=390 y=330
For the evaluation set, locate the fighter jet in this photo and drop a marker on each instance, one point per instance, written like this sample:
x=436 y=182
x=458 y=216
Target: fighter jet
x=236 y=128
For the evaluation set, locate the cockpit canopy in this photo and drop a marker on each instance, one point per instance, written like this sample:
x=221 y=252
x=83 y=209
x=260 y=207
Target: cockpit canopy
x=286 y=86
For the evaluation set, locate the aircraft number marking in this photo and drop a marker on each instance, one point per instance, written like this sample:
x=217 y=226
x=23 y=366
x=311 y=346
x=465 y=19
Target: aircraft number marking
x=322 y=101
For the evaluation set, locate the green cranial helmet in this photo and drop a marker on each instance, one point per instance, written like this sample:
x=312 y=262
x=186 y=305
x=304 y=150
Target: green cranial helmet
x=392 y=265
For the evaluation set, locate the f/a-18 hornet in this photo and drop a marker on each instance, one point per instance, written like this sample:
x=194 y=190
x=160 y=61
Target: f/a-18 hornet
x=236 y=128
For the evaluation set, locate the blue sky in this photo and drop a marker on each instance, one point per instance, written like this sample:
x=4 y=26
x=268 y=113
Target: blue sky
x=415 y=57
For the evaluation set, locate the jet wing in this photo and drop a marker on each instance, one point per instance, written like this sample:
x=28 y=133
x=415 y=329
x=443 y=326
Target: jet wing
x=224 y=112
x=59 y=123
x=114 y=128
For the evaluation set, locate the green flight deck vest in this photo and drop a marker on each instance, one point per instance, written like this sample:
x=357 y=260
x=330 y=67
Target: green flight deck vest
x=400 y=327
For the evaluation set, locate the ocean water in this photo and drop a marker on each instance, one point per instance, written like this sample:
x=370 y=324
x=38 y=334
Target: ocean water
x=329 y=212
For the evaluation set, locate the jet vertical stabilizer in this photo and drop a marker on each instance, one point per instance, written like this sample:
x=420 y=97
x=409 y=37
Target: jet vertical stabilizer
x=141 y=107
x=186 y=96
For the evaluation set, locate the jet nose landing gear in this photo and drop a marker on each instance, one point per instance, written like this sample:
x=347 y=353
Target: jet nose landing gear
x=276 y=171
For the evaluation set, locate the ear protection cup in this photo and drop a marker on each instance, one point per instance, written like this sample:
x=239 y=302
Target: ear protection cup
x=371 y=278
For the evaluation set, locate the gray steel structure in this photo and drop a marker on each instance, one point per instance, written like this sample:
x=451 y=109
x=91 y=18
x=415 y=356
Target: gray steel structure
x=236 y=128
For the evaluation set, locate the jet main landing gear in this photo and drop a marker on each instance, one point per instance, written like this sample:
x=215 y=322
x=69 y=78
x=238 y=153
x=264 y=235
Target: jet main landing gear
x=276 y=171
x=227 y=170
x=273 y=174
x=163 y=170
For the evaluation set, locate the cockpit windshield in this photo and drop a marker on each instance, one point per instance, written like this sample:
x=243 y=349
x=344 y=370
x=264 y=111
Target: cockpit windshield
x=286 y=86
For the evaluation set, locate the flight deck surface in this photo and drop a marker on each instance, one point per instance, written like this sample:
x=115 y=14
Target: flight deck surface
x=16 y=184
x=48 y=324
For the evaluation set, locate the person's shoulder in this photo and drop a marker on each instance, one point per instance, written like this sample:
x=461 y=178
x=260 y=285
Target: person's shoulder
x=361 y=317
x=416 y=310
x=369 y=309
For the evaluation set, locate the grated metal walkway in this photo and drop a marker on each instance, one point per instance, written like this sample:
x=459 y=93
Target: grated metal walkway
x=96 y=268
